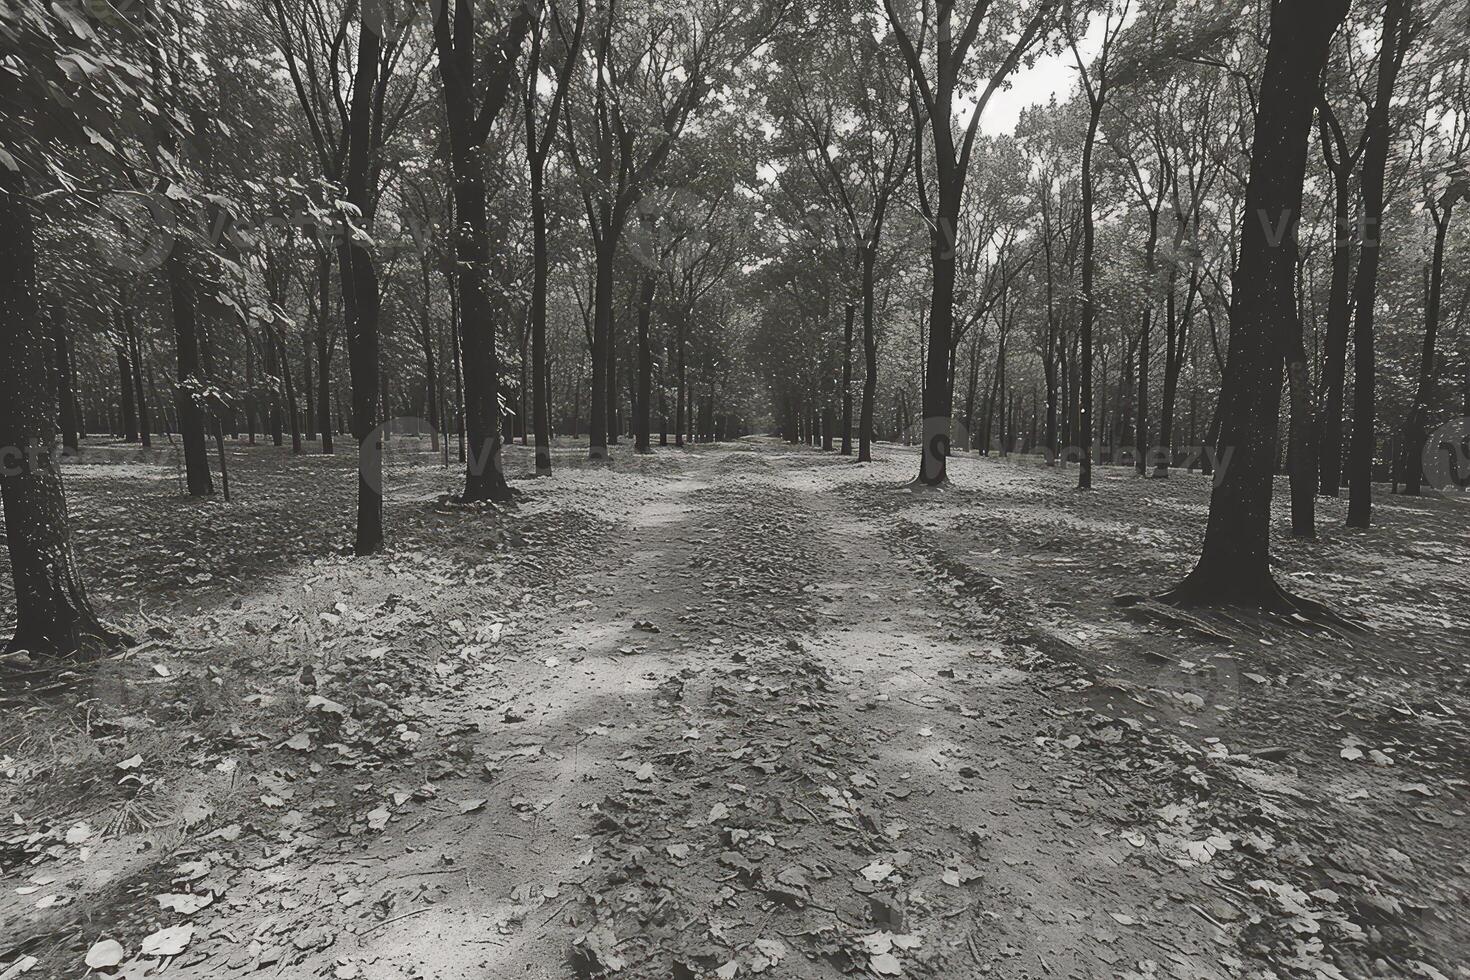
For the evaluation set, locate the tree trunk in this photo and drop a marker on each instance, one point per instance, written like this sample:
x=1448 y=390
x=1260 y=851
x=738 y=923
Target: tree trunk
x=1416 y=426
x=847 y=381
x=937 y=396
x=540 y=275
x=125 y=384
x=1089 y=305
x=1235 y=563
x=645 y=366
x=866 y=433
x=145 y=416
x=190 y=377
x=1375 y=163
x=1334 y=354
x=53 y=615
x=65 y=389
x=324 y=352
x=361 y=301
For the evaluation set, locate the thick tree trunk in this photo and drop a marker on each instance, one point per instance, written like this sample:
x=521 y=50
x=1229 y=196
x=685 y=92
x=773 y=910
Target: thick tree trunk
x=602 y=303
x=484 y=472
x=53 y=615
x=1375 y=162
x=1235 y=563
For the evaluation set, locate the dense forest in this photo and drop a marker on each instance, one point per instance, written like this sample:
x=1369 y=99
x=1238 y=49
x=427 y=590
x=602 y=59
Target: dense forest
x=1214 y=254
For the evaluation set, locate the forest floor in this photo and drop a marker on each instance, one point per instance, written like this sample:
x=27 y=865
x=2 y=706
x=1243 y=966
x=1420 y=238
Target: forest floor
x=732 y=711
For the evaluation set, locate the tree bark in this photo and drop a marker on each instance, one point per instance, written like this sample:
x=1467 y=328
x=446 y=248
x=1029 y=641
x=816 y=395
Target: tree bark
x=54 y=616
x=190 y=376
x=866 y=433
x=642 y=423
x=1235 y=563
x=1416 y=425
x=1375 y=162
x=361 y=300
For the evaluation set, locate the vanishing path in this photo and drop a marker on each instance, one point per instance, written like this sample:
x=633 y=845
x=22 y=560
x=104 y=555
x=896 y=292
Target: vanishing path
x=763 y=737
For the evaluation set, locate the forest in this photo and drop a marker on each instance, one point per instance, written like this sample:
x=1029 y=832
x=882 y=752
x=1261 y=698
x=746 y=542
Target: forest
x=697 y=488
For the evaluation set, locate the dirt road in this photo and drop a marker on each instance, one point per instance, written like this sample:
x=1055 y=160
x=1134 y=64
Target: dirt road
x=720 y=713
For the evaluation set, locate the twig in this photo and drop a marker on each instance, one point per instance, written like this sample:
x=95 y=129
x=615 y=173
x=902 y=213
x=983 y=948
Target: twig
x=396 y=918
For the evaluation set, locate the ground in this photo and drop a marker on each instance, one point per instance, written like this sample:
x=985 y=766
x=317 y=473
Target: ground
x=728 y=711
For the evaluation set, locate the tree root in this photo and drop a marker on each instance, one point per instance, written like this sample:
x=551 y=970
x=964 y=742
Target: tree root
x=1268 y=599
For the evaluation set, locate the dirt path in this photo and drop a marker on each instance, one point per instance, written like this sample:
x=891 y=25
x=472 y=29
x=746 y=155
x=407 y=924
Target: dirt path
x=712 y=714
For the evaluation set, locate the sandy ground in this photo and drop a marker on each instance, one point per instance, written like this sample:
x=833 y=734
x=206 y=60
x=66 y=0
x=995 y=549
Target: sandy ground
x=734 y=711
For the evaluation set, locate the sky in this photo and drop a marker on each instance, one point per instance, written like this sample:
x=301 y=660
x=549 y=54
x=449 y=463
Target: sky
x=1053 y=74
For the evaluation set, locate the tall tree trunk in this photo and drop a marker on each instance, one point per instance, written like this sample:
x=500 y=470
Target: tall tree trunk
x=1416 y=425
x=65 y=388
x=540 y=276
x=53 y=615
x=851 y=313
x=361 y=300
x=681 y=400
x=273 y=378
x=125 y=383
x=602 y=312
x=324 y=351
x=1339 y=316
x=135 y=346
x=1235 y=563
x=293 y=407
x=431 y=375
x=866 y=433
x=1375 y=163
x=937 y=396
x=307 y=385
x=1302 y=453
x=1089 y=304
x=190 y=376
x=645 y=366
x=484 y=473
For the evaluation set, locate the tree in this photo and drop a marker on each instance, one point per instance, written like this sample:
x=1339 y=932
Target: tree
x=475 y=88
x=48 y=110
x=1234 y=565
x=1095 y=86
x=1399 y=28
x=939 y=45
x=538 y=148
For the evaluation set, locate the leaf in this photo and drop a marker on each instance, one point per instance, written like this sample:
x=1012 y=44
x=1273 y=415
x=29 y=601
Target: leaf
x=886 y=965
x=717 y=813
x=471 y=806
x=168 y=942
x=300 y=742
x=185 y=903
x=877 y=871
x=107 y=952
